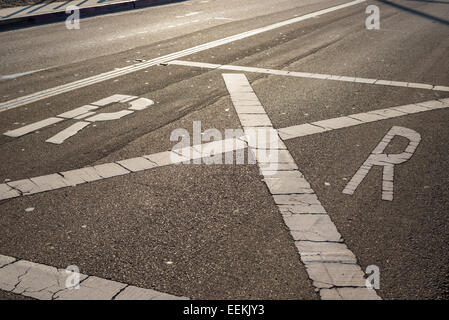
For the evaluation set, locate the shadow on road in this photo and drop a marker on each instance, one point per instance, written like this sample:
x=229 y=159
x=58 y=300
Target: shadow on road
x=417 y=12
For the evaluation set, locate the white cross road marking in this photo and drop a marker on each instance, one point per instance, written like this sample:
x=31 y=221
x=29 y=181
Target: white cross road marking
x=44 y=282
x=387 y=161
x=329 y=263
x=176 y=55
x=26 y=187
x=135 y=104
x=309 y=75
x=362 y=118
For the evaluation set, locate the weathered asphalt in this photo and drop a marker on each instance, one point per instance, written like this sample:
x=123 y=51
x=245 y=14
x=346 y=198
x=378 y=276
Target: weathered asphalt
x=219 y=224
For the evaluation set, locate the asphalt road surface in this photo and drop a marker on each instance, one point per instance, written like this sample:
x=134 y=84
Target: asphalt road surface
x=214 y=231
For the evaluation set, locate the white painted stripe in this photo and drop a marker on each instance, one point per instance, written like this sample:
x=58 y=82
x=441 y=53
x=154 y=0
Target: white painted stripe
x=164 y=59
x=17 y=75
x=32 y=127
x=310 y=75
x=25 y=187
x=74 y=177
x=360 y=118
x=44 y=282
x=329 y=263
x=67 y=133
x=77 y=112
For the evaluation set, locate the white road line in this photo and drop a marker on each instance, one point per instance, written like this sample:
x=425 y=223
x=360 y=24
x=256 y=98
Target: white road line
x=67 y=133
x=310 y=75
x=360 y=118
x=24 y=187
x=44 y=282
x=176 y=55
x=329 y=263
x=32 y=127
x=71 y=178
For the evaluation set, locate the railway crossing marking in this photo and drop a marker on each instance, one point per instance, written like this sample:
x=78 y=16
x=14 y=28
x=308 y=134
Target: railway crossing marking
x=329 y=263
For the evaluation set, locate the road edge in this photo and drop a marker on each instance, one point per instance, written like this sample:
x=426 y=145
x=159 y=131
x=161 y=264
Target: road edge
x=52 y=17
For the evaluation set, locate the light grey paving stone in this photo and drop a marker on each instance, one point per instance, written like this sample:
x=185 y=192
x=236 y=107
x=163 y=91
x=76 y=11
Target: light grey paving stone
x=419 y=85
x=140 y=104
x=245 y=103
x=113 y=99
x=237 y=96
x=312 y=227
x=137 y=164
x=108 y=116
x=291 y=174
x=256 y=108
x=4 y=260
x=269 y=168
x=218 y=147
x=299 y=131
x=92 y=288
x=367 y=117
x=10 y=275
x=299 y=74
x=166 y=158
x=83 y=175
x=39 y=281
x=263 y=138
x=255 y=120
x=349 y=294
x=273 y=156
x=321 y=252
x=383 y=82
x=433 y=104
x=25 y=186
x=365 y=80
x=296 y=199
x=77 y=112
x=109 y=170
x=319 y=76
x=388 y=113
x=287 y=185
x=32 y=127
x=185 y=155
x=337 y=123
x=441 y=88
x=51 y=182
x=327 y=275
x=348 y=79
x=136 y=293
x=6 y=192
x=410 y=108
x=289 y=210
x=84 y=115
x=63 y=135
x=398 y=83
